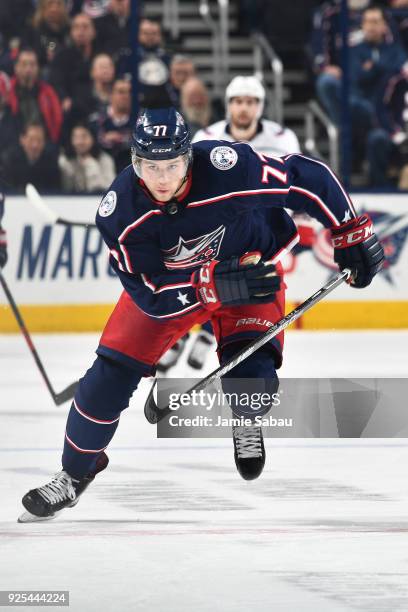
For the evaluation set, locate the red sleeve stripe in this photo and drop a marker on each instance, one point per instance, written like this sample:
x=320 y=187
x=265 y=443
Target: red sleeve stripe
x=90 y=418
x=126 y=257
x=235 y=194
x=285 y=249
x=138 y=222
x=154 y=288
x=82 y=450
x=318 y=201
x=116 y=256
x=130 y=228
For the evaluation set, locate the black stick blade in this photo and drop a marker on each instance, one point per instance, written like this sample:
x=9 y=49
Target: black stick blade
x=151 y=409
x=66 y=394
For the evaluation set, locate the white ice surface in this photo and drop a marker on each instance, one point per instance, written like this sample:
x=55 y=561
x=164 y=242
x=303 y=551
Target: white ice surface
x=171 y=527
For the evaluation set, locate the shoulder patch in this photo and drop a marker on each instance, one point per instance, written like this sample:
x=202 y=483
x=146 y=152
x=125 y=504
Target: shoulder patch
x=108 y=204
x=223 y=158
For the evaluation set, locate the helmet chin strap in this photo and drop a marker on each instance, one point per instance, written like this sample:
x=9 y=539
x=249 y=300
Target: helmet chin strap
x=172 y=206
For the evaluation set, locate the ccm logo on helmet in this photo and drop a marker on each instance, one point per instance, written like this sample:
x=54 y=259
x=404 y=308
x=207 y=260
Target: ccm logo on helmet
x=160 y=150
x=354 y=237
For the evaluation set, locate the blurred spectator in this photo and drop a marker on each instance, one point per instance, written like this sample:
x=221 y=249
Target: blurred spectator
x=33 y=100
x=70 y=70
x=387 y=150
x=14 y=17
x=153 y=62
x=32 y=161
x=84 y=167
x=114 y=128
x=49 y=31
x=102 y=75
x=93 y=8
x=372 y=63
x=181 y=69
x=112 y=29
x=8 y=126
x=195 y=104
x=326 y=40
x=244 y=102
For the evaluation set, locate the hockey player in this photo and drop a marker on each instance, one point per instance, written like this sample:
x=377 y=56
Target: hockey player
x=244 y=104
x=180 y=222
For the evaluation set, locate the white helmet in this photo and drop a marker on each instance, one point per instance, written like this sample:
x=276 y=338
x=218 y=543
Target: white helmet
x=246 y=86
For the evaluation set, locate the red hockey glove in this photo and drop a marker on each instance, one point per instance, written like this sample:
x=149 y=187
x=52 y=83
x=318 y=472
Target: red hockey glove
x=3 y=248
x=234 y=282
x=357 y=247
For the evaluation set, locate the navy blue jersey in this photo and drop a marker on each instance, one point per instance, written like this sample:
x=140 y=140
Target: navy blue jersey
x=235 y=203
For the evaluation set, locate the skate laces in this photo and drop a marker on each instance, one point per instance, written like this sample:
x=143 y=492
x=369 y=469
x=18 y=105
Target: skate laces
x=59 y=489
x=248 y=441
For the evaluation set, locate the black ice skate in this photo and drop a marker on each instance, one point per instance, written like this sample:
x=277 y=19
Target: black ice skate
x=200 y=349
x=171 y=357
x=63 y=491
x=249 y=450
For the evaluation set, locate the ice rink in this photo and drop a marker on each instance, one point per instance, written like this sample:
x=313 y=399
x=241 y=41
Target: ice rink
x=171 y=527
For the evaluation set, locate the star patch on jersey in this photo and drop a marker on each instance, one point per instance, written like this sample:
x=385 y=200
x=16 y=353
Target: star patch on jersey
x=223 y=158
x=108 y=204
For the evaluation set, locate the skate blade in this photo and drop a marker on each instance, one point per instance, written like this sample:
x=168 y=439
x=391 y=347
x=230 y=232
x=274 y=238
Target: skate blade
x=27 y=517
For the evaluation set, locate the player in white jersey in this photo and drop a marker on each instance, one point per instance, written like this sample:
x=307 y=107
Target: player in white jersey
x=244 y=104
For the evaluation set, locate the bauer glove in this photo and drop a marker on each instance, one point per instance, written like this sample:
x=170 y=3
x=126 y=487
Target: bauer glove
x=236 y=281
x=357 y=247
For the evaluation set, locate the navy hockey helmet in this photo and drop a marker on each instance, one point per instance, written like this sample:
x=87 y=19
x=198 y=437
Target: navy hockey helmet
x=160 y=133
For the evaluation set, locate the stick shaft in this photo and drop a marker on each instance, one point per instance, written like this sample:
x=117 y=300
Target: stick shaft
x=153 y=413
x=26 y=335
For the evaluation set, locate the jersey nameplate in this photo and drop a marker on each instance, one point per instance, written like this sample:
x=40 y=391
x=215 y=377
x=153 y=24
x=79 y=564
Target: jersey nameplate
x=223 y=158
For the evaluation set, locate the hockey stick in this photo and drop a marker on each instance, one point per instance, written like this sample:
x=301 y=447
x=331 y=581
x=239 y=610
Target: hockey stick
x=154 y=413
x=38 y=202
x=66 y=394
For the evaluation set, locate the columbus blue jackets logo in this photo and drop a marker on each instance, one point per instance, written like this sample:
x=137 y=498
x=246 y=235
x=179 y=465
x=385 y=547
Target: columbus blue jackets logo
x=194 y=252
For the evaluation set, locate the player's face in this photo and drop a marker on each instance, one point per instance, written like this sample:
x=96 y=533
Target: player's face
x=163 y=177
x=243 y=111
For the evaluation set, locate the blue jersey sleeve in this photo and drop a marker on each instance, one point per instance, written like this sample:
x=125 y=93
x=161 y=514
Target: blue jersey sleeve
x=302 y=184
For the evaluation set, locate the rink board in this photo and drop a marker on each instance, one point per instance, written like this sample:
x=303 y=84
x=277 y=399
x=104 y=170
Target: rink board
x=61 y=279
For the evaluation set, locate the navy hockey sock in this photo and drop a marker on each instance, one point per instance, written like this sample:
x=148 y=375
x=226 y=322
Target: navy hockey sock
x=102 y=394
x=260 y=369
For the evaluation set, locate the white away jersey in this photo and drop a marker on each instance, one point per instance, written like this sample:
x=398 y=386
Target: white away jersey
x=271 y=140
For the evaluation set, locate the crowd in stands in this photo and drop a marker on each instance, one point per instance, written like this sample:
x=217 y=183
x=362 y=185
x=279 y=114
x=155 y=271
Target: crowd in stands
x=66 y=93
x=378 y=82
